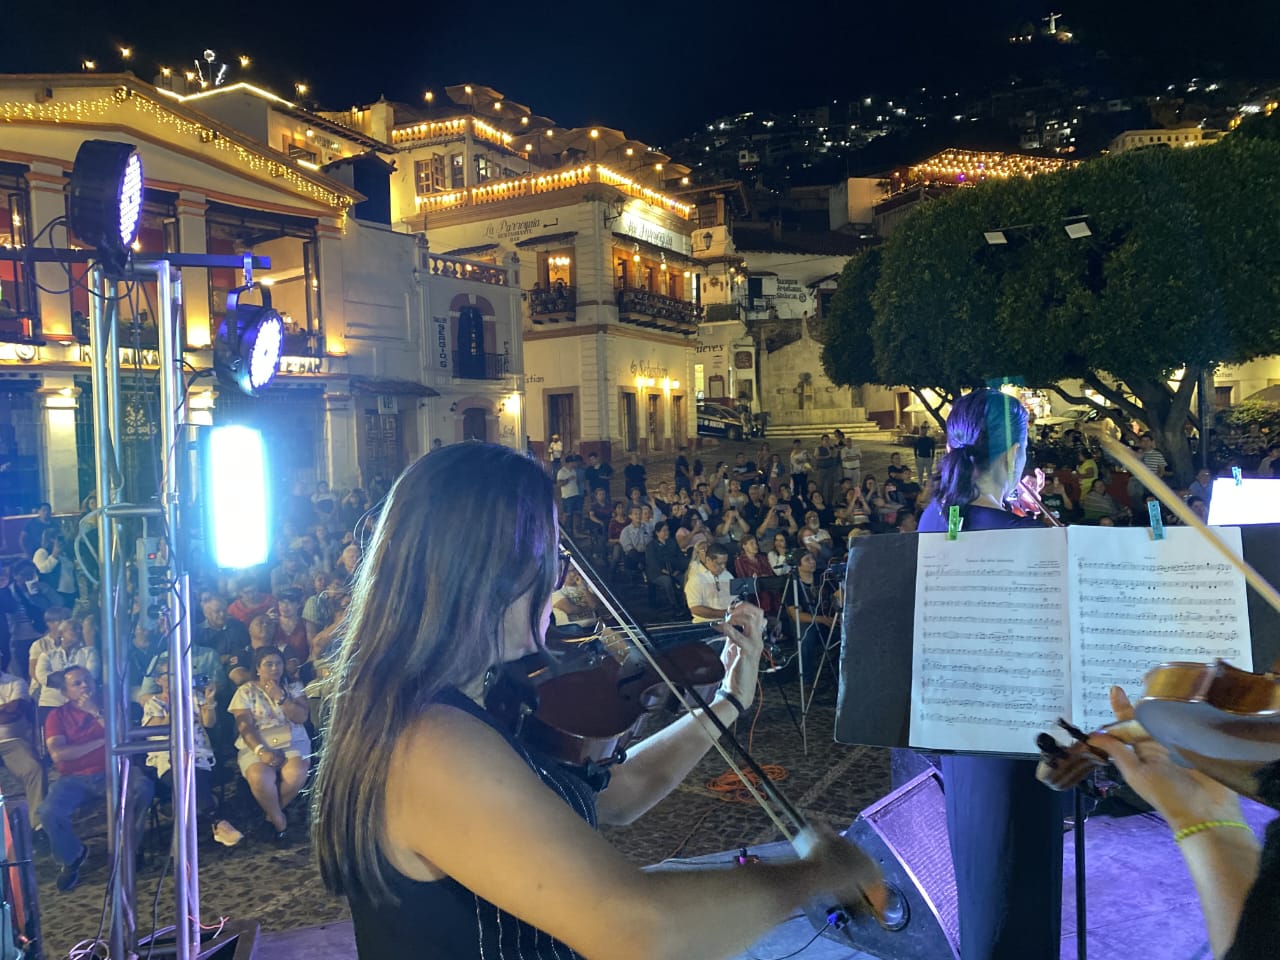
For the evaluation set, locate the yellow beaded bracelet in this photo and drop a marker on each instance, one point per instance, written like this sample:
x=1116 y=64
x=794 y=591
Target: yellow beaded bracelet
x=1195 y=828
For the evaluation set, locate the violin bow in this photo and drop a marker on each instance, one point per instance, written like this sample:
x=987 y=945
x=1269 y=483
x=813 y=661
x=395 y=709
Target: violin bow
x=1130 y=461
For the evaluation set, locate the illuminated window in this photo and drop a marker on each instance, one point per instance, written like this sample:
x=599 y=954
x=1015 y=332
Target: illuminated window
x=457 y=172
x=428 y=175
x=557 y=267
x=487 y=169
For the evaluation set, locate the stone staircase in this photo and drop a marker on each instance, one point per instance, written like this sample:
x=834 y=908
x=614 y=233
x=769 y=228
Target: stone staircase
x=863 y=429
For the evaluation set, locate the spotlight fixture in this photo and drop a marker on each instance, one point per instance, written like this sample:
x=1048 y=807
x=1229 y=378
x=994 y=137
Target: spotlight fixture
x=246 y=351
x=237 y=512
x=995 y=237
x=105 y=209
x=244 y=61
x=1078 y=229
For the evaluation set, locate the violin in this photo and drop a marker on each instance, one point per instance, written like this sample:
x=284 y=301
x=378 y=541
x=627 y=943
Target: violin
x=583 y=709
x=1216 y=718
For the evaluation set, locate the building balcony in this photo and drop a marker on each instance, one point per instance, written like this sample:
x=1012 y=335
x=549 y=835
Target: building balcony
x=647 y=309
x=554 y=305
x=458 y=269
x=480 y=366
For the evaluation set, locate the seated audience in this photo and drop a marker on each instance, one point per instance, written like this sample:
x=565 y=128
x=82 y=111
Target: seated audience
x=663 y=565
x=706 y=591
x=16 y=746
x=250 y=601
x=752 y=564
x=273 y=743
x=573 y=603
x=77 y=742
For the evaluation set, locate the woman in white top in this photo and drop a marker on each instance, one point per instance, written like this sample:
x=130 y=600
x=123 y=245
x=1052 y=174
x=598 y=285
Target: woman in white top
x=778 y=555
x=273 y=743
x=69 y=651
x=56 y=568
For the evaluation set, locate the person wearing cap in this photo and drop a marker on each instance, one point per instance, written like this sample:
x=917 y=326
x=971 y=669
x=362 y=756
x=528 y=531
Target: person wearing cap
x=291 y=629
x=555 y=450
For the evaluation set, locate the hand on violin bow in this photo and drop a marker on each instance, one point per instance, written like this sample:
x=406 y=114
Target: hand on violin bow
x=1027 y=494
x=743 y=629
x=845 y=873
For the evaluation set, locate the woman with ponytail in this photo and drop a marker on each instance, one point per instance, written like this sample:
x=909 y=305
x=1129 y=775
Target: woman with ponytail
x=1006 y=829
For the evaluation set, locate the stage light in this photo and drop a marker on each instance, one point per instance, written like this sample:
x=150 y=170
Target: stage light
x=1078 y=229
x=246 y=351
x=236 y=499
x=995 y=237
x=105 y=210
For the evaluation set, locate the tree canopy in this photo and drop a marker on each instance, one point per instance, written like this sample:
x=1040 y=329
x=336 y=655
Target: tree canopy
x=1180 y=273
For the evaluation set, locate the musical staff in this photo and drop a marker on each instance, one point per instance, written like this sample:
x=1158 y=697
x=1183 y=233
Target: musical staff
x=1014 y=628
x=1149 y=602
x=990 y=640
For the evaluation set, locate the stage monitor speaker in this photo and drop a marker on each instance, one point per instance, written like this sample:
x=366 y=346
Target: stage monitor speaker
x=906 y=834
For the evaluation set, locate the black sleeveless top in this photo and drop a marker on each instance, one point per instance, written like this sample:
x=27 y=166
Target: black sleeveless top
x=442 y=918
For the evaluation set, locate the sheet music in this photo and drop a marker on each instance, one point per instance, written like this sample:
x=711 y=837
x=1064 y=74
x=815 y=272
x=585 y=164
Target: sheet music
x=991 y=668
x=1138 y=602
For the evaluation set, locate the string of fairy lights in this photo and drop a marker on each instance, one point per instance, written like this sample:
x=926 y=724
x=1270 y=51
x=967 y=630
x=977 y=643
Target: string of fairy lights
x=94 y=109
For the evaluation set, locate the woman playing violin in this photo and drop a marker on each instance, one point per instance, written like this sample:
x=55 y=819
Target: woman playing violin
x=1006 y=829
x=1239 y=892
x=447 y=835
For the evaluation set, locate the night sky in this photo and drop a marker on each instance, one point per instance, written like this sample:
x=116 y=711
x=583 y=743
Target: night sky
x=656 y=70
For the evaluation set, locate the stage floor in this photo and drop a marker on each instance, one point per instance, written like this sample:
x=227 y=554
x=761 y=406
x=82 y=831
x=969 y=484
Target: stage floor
x=1141 y=902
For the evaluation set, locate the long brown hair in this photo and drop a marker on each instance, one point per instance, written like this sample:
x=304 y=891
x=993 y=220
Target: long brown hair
x=465 y=531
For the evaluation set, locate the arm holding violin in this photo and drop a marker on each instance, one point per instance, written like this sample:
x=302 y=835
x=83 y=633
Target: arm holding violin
x=479 y=834
x=1223 y=860
x=660 y=762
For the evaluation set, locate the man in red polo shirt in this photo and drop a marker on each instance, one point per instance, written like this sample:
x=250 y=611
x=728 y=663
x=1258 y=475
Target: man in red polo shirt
x=77 y=743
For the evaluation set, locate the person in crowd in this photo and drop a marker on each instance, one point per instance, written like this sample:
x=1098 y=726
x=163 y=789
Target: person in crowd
x=56 y=566
x=1005 y=828
x=820 y=505
x=16 y=743
x=754 y=510
x=925 y=447
x=775 y=473
x=682 y=478
x=26 y=603
x=1056 y=499
x=1097 y=503
x=317 y=610
x=629 y=553
x=813 y=602
x=734 y=497
x=324 y=505
x=1199 y=508
x=662 y=567
x=800 y=465
x=780 y=555
x=250 y=600
x=204 y=703
x=288 y=572
x=826 y=466
x=599 y=476
x=262 y=634
x=850 y=459
x=555 y=453
x=274 y=749
x=142 y=652
x=1202 y=485
x=706 y=591
x=353 y=506
x=815 y=539
x=1267 y=466
x=570 y=492
x=731 y=529
x=778 y=519
x=1153 y=460
x=447 y=882
x=69 y=651
x=291 y=629
x=752 y=564
x=897 y=472
x=634 y=475
x=1086 y=471
x=907 y=522
x=573 y=602
x=348 y=560
x=53 y=619
x=77 y=742
x=33 y=530
x=1238 y=886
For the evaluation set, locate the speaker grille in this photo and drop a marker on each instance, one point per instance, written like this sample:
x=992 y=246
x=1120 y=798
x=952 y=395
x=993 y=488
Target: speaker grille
x=912 y=822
